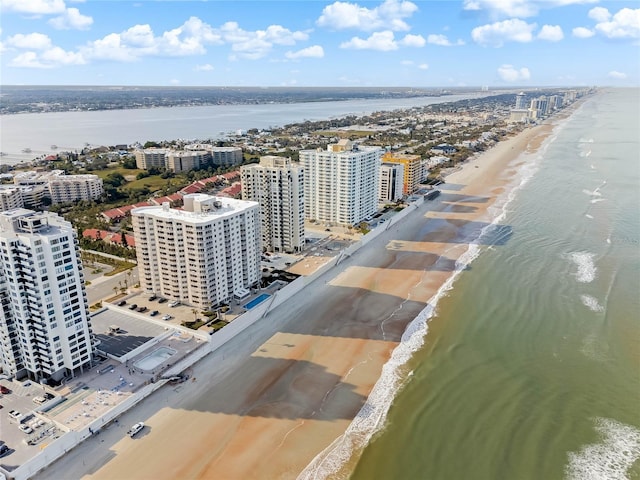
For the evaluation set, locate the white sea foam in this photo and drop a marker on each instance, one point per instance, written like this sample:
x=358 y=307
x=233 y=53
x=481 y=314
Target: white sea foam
x=587 y=270
x=595 y=193
x=610 y=459
x=371 y=417
x=588 y=216
x=596 y=200
x=591 y=303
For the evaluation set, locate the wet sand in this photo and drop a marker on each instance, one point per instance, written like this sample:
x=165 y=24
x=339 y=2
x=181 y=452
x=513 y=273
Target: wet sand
x=268 y=402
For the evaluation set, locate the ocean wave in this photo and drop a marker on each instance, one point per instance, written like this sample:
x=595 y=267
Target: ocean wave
x=591 y=303
x=586 y=272
x=609 y=460
x=371 y=417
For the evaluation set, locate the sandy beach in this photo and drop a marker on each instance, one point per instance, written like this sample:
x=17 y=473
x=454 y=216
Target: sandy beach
x=267 y=403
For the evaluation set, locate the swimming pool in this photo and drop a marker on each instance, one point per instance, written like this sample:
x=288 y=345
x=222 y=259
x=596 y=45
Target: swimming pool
x=259 y=299
x=155 y=358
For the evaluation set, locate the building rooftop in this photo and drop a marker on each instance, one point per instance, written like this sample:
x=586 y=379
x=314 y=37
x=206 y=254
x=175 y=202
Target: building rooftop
x=199 y=208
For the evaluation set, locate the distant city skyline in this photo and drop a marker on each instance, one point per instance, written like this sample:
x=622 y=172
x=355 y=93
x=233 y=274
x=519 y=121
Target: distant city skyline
x=457 y=43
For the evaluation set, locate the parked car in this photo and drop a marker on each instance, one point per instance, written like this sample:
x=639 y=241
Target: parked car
x=142 y=309
x=122 y=303
x=4 y=390
x=162 y=300
x=153 y=313
x=4 y=450
x=167 y=317
x=137 y=428
x=15 y=414
x=133 y=306
x=38 y=400
x=174 y=303
x=25 y=428
x=152 y=298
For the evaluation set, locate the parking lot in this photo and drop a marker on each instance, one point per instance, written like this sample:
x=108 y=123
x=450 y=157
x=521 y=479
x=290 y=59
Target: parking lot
x=21 y=422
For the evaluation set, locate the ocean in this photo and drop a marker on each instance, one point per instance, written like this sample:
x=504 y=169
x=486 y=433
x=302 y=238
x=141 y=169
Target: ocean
x=529 y=365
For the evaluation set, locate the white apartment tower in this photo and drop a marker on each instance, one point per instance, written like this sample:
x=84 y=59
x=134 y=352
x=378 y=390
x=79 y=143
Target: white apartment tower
x=341 y=183
x=202 y=254
x=521 y=101
x=277 y=184
x=44 y=322
x=391 y=182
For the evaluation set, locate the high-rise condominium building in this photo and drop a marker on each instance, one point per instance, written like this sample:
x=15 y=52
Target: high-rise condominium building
x=391 y=182
x=44 y=323
x=202 y=254
x=413 y=171
x=521 y=101
x=277 y=184
x=341 y=182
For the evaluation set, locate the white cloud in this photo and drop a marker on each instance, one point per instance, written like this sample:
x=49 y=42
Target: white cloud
x=496 y=34
x=257 y=44
x=617 y=75
x=510 y=74
x=413 y=41
x=442 y=41
x=56 y=56
x=411 y=63
x=624 y=24
x=388 y=15
x=28 y=60
x=37 y=7
x=382 y=41
x=71 y=19
x=188 y=39
x=31 y=41
x=599 y=14
x=203 y=68
x=552 y=33
x=50 y=58
x=140 y=36
x=315 y=51
x=518 y=8
x=582 y=32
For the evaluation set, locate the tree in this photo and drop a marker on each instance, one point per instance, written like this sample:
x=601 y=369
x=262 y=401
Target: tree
x=123 y=240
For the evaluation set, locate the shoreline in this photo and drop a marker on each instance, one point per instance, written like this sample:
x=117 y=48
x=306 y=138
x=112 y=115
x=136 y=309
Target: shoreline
x=305 y=372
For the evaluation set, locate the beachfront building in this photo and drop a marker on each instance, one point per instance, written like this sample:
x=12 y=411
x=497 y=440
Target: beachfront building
x=413 y=171
x=391 y=182
x=521 y=101
x=277 y=184
x=203 y=254
x=58 y=186
x=45 y=331
x=341 y=182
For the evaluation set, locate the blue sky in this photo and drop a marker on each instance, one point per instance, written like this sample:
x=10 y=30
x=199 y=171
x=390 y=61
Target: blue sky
x=444 y=43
